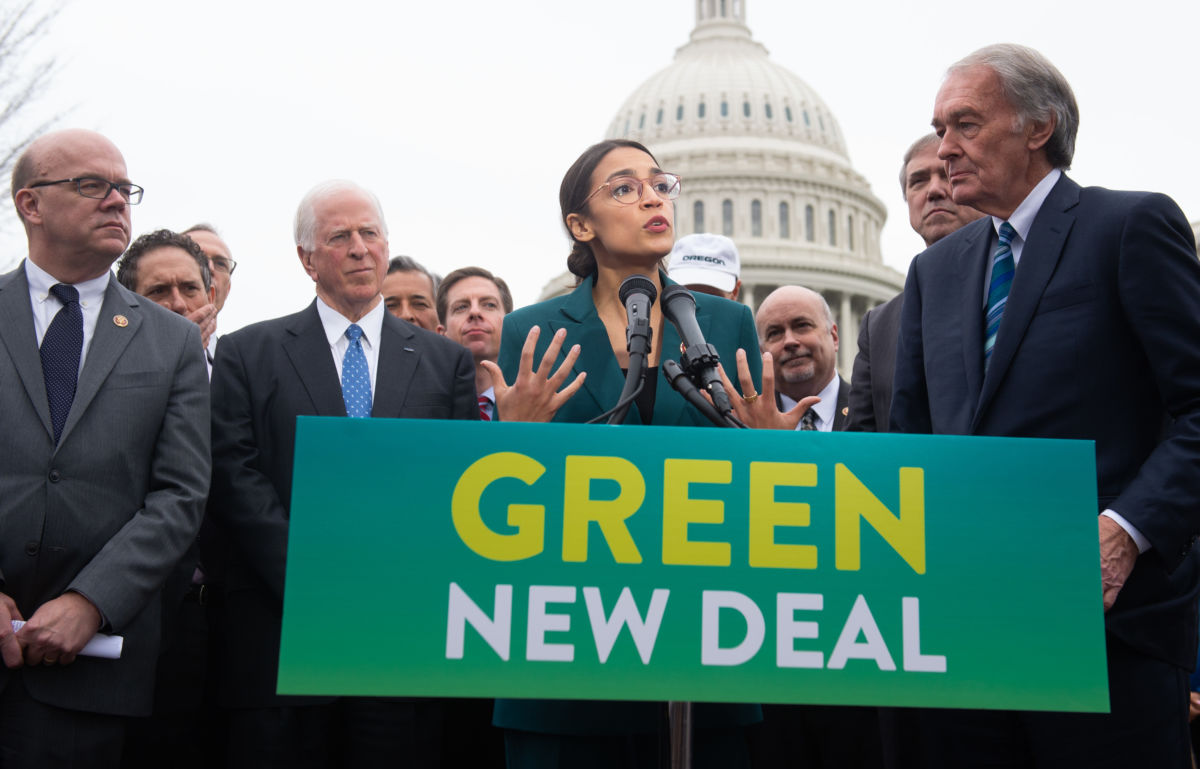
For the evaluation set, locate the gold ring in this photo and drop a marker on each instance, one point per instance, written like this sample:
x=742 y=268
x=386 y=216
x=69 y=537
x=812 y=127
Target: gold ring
x=49 y=660
x=750 y=398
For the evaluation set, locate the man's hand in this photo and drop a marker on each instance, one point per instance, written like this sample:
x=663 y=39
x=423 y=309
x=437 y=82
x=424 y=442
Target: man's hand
x=206 y=319
x=1118 y=553
x=534 y=395
x=59 y=629
x=760 y=410
x=10 y=647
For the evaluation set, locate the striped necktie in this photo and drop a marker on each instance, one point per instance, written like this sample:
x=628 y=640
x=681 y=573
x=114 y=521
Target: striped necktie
x=484 y=409
x=1003 y=269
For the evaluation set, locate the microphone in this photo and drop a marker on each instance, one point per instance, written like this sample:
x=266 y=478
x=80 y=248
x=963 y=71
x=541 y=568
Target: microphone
x=637 y=293
x=700 y=359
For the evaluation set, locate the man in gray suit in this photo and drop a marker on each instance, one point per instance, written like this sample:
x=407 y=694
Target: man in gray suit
x=103 y=405
x=343 y=355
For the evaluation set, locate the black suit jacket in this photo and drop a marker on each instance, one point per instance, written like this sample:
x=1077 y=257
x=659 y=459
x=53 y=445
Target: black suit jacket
x=265 y=376
x=871 y=380
x=1100 y=341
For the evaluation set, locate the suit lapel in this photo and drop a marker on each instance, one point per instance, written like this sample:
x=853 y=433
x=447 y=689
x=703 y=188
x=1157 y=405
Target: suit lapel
x=1039 y=258
x=19 y=338
x=841 y=415
x=308 y=350
x=584 y=327
x=398 y=360
x=109 y=341
x=972 y=265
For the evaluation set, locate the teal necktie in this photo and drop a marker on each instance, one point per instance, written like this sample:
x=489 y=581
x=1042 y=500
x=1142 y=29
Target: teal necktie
x=1003 y=269
x=356 y=377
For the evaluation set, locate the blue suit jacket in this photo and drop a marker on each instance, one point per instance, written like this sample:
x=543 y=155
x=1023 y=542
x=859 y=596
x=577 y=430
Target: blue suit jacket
x=726 y=325
x=1100 y=340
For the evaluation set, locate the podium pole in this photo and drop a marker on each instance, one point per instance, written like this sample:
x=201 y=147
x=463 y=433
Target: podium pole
x=680 y=716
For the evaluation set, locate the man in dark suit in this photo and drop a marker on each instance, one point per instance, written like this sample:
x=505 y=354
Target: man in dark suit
x=1068 y=313
x=796 y=326
x=104 y=411
x=933 y=215
x=342 y=355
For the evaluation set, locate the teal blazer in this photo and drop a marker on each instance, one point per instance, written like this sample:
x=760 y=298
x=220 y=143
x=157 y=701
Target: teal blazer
x=727 y=326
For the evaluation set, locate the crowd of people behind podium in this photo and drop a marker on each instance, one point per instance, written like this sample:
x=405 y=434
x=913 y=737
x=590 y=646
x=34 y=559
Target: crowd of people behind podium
x=146 y=488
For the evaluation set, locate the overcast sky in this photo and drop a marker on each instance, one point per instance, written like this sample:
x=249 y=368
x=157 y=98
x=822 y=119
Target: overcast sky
x=463 y=116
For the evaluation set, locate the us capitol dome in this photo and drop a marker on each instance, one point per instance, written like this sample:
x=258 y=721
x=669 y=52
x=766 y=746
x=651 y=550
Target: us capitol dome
x=764 y=162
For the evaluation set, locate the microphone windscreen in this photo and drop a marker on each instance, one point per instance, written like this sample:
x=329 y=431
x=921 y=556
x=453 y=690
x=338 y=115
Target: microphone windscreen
x=637 y=284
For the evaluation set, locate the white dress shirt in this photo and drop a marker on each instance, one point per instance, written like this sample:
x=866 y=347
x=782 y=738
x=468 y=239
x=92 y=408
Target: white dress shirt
x=335 y=325
x=46 y=305
x=826 y=410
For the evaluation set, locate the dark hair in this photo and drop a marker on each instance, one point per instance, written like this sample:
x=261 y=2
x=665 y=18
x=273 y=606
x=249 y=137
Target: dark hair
x=128 y=266
x=443 y=291
x=408 y=264
x=574 y=190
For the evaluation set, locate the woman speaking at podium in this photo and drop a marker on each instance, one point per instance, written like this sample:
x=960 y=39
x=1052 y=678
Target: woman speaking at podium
x=618 y=208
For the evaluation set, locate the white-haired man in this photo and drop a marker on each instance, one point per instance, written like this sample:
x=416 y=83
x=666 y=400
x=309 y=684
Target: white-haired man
x=343 y=355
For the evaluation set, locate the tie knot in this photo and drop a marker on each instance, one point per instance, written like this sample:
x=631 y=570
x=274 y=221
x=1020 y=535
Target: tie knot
x=354 y=333
x=1007 y=233
x=64 y=293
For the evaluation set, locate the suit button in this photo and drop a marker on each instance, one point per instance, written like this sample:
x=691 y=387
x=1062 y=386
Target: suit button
x=54 y=476
x=31 y=548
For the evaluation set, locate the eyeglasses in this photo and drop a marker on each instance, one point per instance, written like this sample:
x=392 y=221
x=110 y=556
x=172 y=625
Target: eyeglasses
x=627 y=190
x=222 y=264
x=99 y=189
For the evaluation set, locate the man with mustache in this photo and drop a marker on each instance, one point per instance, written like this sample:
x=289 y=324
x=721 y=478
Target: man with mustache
x=796 y=326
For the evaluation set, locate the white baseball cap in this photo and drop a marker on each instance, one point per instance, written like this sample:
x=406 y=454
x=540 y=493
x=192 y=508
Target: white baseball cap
x=707 y=259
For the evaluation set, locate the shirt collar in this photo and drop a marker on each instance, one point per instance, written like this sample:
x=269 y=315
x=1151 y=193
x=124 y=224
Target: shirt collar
x=1022 y=218
x=40 y=283
x=826 y=410
x=335 y=324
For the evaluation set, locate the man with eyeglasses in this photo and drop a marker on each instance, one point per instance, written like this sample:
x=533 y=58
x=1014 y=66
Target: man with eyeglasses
x=220 y=264
x=103 y=408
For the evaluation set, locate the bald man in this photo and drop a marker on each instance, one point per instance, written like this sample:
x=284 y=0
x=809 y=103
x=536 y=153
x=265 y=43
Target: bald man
x=106 y=396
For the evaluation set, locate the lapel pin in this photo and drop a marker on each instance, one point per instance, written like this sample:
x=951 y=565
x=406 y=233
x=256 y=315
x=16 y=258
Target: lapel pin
x=120 y=321
x=845 y=410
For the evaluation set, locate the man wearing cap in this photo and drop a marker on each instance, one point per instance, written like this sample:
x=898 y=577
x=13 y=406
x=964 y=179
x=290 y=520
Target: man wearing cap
x=707 y=264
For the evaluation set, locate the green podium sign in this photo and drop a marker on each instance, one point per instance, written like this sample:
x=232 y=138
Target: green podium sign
x=433 y=558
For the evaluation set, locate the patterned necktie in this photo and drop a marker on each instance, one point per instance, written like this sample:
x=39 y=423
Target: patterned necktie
x=356 y=377
x=809 y=420
x=61 y=347
x=1003 y=268
x=484 y=403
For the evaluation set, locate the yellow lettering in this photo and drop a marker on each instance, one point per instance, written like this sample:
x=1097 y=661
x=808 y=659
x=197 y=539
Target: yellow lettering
x=528 y=520
x=679 y=510
x=905 y=533
x=766 y=515
x=579 y=509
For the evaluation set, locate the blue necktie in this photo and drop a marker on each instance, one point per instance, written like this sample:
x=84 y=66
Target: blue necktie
x=61 y=347
x=1003 y=268
x=356 y=377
